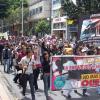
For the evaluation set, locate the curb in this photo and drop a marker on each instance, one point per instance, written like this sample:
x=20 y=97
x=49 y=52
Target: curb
x=7 y=87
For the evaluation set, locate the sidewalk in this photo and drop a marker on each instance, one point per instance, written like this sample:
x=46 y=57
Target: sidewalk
x=5 y=94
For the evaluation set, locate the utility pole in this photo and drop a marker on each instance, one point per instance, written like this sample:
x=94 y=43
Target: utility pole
x=22 y=20
x=51 y=16
x=2 y=25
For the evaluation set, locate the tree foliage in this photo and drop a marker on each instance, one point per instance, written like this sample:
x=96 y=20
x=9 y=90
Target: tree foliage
x=11 y=12
x=83 y=7
x=15 y=11
x=7 y=7
x=4 y=6
x=42 y=27
x=17 y=3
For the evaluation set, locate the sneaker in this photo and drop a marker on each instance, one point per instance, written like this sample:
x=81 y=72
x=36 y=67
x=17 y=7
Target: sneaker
x=48 y=98
x=61 y=92
x=37 y=90
x=23 y=93
x=69 y=96
x=14 y=81
x=75 y=91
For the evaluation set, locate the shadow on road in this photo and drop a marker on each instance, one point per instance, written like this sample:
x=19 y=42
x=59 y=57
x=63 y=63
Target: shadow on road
x=39 y=91
x=87 y=98
x=50 y=98
x=26 y=98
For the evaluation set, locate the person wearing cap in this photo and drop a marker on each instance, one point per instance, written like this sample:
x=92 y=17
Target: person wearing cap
x=68 y=50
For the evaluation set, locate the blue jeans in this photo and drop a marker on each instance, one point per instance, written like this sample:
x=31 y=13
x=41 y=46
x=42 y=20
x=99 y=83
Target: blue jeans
x=98 y=88
x=46 y=79
x=6 y=65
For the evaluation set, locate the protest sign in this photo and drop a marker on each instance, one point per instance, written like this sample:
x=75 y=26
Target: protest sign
x=74 y=72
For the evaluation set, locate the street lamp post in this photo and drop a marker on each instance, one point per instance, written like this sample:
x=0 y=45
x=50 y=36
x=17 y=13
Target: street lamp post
x=2 y=25
x=22 y=20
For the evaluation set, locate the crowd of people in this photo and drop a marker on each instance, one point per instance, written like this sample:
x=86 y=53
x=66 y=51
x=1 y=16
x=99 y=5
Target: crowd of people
x=30 y=56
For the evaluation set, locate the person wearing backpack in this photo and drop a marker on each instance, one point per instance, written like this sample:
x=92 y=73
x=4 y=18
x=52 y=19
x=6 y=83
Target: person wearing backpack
x=6 y=58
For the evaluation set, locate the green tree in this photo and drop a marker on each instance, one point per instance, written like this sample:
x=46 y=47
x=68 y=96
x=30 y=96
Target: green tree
x=42 y=27
x=17 y=3
x=4 y=5
x=14 y=13
x=15 y=9
x=83 y=7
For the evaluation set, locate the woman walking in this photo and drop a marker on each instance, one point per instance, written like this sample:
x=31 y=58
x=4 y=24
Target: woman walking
x=46 y=73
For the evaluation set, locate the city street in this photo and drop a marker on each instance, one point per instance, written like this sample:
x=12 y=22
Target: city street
x=11 y=91
x=49 y=42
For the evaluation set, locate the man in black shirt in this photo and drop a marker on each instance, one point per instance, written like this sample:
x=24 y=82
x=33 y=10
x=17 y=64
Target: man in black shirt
x=6 y=56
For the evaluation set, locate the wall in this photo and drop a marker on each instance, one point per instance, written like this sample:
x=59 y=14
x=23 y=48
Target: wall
x=45 y=4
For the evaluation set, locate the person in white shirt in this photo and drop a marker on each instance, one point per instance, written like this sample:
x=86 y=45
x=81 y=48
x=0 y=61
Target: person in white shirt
x=27 y=64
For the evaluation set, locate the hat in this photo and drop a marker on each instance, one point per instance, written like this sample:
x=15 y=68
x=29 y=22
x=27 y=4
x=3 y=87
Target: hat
x=68 y=51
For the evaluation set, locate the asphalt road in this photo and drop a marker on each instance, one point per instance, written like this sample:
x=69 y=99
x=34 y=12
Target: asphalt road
x=15 y=90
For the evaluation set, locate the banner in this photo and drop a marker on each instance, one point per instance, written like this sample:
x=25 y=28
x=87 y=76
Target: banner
x=90 y=28
x=73 y=72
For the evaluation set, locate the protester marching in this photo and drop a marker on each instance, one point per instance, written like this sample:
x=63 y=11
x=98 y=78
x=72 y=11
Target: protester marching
x=55 y=60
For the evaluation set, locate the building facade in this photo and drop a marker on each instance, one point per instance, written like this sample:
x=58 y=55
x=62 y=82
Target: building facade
x=60 y=21
x=59 y=27
x=39 y=9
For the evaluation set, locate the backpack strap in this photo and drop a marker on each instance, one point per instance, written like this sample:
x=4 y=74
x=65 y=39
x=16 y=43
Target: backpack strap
x=24 y=70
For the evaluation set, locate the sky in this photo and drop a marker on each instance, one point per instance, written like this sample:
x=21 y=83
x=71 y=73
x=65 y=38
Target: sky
x=74 y=1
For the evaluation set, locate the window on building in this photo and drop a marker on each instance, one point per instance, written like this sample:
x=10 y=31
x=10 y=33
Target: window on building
x=56 y=13
x=40 y=9
x=62 y=2
x=62 y=13
x=33 y=12
x=37 y=10
x=73 y=28
x=30 y=14
x=63 y=25
x=56 y=2
x=56 y=26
